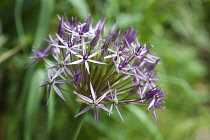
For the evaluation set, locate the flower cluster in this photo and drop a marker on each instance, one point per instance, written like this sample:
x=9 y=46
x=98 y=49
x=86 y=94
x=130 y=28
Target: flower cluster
x=104 y=68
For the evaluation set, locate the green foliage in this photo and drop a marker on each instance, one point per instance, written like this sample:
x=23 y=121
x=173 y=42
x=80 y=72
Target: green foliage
x=179 y=30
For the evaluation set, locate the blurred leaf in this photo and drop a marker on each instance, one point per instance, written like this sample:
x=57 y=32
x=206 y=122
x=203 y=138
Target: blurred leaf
x=81 y=7
x=3 y=40
x=33 y=103
x=143 y=118
x=129 y=19
x=18 y=20
x=183 y=84
x=9 y=53
x=43 y=21
x=0 y=27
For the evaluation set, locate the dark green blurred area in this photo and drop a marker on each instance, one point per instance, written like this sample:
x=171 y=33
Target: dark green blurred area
x=180 y=32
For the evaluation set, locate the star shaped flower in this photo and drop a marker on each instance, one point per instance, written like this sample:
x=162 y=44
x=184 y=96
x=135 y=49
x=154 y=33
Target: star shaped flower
x=51 y=82
x=85 y=58
x=94 y=102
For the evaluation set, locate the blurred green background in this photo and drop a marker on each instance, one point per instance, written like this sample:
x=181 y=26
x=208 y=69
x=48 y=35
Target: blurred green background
x=180 y=32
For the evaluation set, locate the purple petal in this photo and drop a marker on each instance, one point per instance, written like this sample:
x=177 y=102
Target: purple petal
x=94 y=61
x=61 y=40
x=154 y=114
x=79 y=55
x=118 y=59
x=96 y=114
x=109 y=98
x=72 y=52
x=130 y=68
x=49 y=76
x=127 y=43
x=95 y=53
x=48 y=94
x=77 y=45
x=57 y=74
x=59 y=46
x=58 y=92
x=76 y=62
x=62 y=81
x=151 y=104
x=141 y=74
x=110 y=56
x=51 y=67
x=88 y=24
x=84 y=110
x=33 y=50
x=34 y=62
x=77 y=49
x=127 y=73
x=103 y=96
x=67 y=57
x=115 y=93
x=68 y=71
x=112 y=50
x=85 y=98
x=118 y=112
x=110 y=92
x=47 y=50
x=44 y=80
x=111 y=30
x=83 y=46
x=104 y=108
x=87 y=67
x=56 y=58
x=94 y=41
x=34 y=57
x=111 y=109
x=43 y=85
x=92 y=92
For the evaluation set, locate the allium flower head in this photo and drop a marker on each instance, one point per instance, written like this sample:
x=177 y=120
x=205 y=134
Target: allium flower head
x=105 y=70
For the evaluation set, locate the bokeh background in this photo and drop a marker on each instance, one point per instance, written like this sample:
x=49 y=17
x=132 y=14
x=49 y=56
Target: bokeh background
x=180 y=32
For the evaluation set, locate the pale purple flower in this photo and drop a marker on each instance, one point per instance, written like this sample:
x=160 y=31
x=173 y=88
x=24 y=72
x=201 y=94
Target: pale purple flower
x=51 y=82
x=155 y=97
x=40 y=54
x=86 y=58
x=94 y=102
x=115 y=101
x=62 y=65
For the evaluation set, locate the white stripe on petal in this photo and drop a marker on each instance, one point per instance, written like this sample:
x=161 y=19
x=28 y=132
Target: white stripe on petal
x=119 y=112
x=111 y=50
x=104 y=108
x=94 y=53
x=85 y=98
x=87 y=67
x=61 y=39
x=103 y=96
x=151 y=104
x=110 y=109
x=59 y=46
x=92 y=92
x=84 y=110
x=110 y=56
x=96 y=114
x=94 y=61
x=58 y=92
x=76 y=62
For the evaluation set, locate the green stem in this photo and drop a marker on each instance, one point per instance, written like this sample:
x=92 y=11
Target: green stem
x=77 y=124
